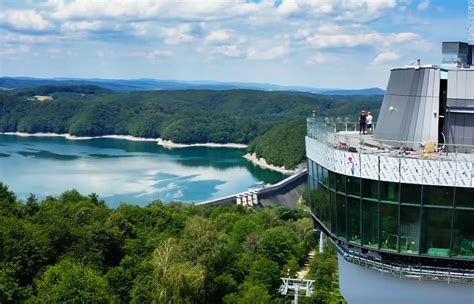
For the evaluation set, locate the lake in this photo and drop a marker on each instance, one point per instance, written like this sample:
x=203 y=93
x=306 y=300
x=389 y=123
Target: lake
x=136 y=172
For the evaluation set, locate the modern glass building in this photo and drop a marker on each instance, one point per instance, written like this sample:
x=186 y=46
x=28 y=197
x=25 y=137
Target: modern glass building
x=399 y=205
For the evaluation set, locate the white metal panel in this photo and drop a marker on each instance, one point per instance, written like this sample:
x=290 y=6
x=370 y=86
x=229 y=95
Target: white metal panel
x=369 y=166
x=452 y=76
x=411 y=171
x=447 y=173
x=425 y=83
x=389 y=169
x=352 y=164
x=470 y=85
x=463 y=174
x=461 y=85
x=339 y=162
x=430 y=172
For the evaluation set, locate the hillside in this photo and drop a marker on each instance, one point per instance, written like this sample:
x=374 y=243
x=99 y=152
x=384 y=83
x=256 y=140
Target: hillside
x=184 y=116
x=74 y=249
x=158 y=84
x=282 y=145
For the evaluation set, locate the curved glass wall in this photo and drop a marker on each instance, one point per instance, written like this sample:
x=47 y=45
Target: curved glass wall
x=412 y=219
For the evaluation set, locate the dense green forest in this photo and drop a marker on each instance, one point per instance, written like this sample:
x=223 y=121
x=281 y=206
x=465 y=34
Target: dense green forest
x=283 y=145
x=74 y=249
x=184 y=116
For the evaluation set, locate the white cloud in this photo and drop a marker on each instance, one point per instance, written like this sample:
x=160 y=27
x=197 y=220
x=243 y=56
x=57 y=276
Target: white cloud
x=157 y=54
x=183 y=33
x=356 y=10
x=424 y=5
x=21 y=38
x=264 y=53
x=218 y=36
x=232 y=51
x=24 y=20
x=324 y=41
x=81 y=26
x=14 y=51
x=317 y=59
x=153 y=9
x=385 y=57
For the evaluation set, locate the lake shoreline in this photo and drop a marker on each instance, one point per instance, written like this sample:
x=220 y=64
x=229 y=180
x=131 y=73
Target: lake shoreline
x=261 y=162
x=164 y=143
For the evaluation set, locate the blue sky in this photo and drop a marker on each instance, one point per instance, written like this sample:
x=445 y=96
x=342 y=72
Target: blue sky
x=319 y=43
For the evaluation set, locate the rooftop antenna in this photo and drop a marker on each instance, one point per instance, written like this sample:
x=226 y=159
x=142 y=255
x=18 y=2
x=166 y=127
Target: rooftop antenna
x=470 y=12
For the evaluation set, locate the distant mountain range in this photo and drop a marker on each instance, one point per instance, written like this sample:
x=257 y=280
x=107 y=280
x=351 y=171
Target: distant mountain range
x=156 y=84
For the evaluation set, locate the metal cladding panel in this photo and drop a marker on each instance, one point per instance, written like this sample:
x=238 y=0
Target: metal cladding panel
x=430 y=172
x=447 y=173
x=452 y=79
x=369 y=166
x=461 y=85
x=411 y=171
x=464 y=174
x=413 y=100
x=351 y=164
x=470 y=85
x=389 y=169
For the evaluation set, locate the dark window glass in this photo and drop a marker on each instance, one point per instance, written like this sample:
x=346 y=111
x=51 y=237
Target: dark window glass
x=463 y=234
x=389 y=191
x=409 y=229
x=340 y=183
x=436 y=233
x=353 y=212
x=353 y=185
x=436 y=195
x=313 y=196
x=326 y=207
x=411 y=194
x=310 y=168
x=370 y=188
x=332 y=180
x=389 y=226
x=320 y=173
x=325 y=177
x=370 y=224
x=341 y=216
x=332 y=202
x=465 y=197
x=315 y=170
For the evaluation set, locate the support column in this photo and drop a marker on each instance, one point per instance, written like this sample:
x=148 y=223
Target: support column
x=321 y=241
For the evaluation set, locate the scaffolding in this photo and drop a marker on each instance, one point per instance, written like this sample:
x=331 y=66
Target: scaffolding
x=471 y=21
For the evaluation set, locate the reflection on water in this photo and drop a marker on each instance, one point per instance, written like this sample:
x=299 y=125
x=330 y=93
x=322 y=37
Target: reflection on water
x=121 y=170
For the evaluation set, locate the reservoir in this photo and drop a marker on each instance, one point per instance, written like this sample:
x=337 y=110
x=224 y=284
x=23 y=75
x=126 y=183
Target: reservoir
x=136 y=172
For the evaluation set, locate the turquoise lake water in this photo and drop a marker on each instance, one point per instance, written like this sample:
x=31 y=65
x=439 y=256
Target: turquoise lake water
x=125 y=171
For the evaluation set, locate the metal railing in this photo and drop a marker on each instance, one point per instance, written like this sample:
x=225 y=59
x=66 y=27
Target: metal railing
x=346 y=136
x=406 y=271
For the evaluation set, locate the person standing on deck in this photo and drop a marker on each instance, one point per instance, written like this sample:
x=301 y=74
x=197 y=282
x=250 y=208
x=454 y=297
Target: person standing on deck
x=369 y=122
x=362 y=122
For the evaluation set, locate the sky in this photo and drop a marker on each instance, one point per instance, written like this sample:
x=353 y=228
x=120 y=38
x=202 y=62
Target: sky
x=317 y=43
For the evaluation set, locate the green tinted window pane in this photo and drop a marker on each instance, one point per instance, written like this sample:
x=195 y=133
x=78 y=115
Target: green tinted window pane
x=370 y=226
x=310 y=168
x=389 y=226
x=389 y=191
x=436 y=231
x=332 y=180
x=325 y=177
x=411 y=194
x=332 y=202
x=353 y=185
x=436 y=195
x=313 y=195
x=340 y=183
x=341 y=216
x=325 y=206
x=315 y=170
x=465 y=197
x=353 y=212
x=320 y=173
x=409 y=229
x=463 y=234
x=370 y=188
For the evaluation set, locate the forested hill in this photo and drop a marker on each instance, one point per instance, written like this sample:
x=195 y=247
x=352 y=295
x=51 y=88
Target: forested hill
x=184 y=116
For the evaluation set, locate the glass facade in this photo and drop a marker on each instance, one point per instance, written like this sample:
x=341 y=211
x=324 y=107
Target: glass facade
x=411 y=219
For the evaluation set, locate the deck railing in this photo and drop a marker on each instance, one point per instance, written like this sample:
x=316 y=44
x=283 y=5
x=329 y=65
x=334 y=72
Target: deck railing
x=346 y=136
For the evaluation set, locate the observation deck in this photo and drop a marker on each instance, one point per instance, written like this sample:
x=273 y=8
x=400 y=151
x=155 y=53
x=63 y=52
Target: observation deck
x=401 y=207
